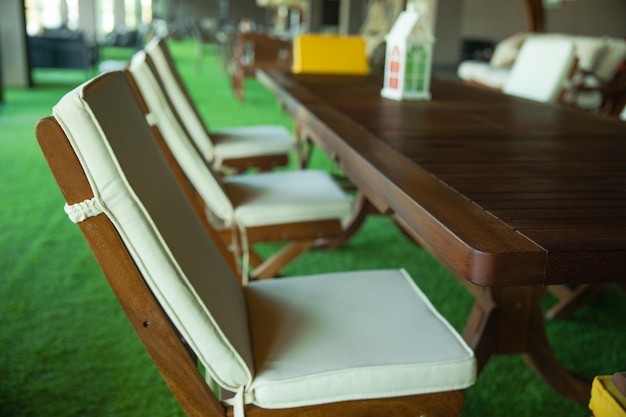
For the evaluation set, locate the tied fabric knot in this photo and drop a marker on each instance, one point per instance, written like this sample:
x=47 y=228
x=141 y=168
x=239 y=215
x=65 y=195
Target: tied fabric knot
x=239 y=401
x=151 y=119
x=79 y=212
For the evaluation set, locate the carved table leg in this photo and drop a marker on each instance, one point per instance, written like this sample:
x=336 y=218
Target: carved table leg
x=509 y=320
x=540 y=357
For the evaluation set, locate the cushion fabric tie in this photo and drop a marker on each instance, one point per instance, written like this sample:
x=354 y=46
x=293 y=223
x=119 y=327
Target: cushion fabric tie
x=151 y=119
x=79 y=212
x=238 y=402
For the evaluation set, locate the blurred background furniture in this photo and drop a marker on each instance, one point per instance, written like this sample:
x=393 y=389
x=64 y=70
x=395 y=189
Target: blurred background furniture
x=598 y=84
x=62 y=49
x=531 y=78
x=228 y=150
x=252 y=51
x=205 y=33
x=380 y=18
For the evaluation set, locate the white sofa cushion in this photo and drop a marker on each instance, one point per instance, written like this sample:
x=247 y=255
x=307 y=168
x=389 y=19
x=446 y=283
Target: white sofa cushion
x=346 y=336
x=531 y=78
x=484 y=73
x=608 y=64
x=589 y=51
x=134 y=186
x=506 y=51
x=597 y=55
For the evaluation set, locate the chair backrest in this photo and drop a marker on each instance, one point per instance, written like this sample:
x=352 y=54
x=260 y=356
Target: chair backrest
x=174 y=86
x=205 y=181
x=135 y=188
x=542 y=69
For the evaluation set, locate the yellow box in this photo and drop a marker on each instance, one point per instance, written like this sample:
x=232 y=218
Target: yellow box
x=606 y=400
x=330 y=54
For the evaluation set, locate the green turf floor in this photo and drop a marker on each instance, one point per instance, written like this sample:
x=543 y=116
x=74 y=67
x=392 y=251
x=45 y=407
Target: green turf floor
x=67 y=349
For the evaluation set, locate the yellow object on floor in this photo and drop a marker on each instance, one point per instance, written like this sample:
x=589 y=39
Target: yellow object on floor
x=606 y=399
x=329 y=54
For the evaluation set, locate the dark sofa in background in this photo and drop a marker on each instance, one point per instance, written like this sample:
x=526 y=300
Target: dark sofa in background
x=62 y=49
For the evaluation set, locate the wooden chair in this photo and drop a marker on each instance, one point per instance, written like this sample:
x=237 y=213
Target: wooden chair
x=252 y=51
x=234 y=149
x=533 y=79
x=345 y=344
x=300 y=207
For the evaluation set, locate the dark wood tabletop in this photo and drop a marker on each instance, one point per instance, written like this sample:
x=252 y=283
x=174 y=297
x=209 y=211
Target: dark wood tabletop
x=503 y=190
x=511 y=195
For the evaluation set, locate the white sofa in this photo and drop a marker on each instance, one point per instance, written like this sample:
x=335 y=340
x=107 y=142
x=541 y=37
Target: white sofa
x=599 y=60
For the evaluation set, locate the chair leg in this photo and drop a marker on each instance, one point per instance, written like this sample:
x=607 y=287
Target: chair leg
x=571 y=300
x=237 y=81
x=271 y=267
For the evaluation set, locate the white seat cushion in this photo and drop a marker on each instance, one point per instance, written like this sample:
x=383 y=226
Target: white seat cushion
x=346 y=336
x=285 y=197
x=246 y=141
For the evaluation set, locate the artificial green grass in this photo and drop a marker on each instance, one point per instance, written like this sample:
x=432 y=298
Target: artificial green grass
x=68 y=350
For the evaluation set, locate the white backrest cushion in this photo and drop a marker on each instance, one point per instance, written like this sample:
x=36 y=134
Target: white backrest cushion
x=182 y=266
x=541 y=69
x=206 y=182
x=197 y=129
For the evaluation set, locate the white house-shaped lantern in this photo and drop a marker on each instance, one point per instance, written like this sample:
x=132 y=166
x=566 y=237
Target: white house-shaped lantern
x=408 y=61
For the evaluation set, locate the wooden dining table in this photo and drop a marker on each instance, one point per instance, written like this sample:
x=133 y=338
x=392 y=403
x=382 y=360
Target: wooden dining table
x=510 y=195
